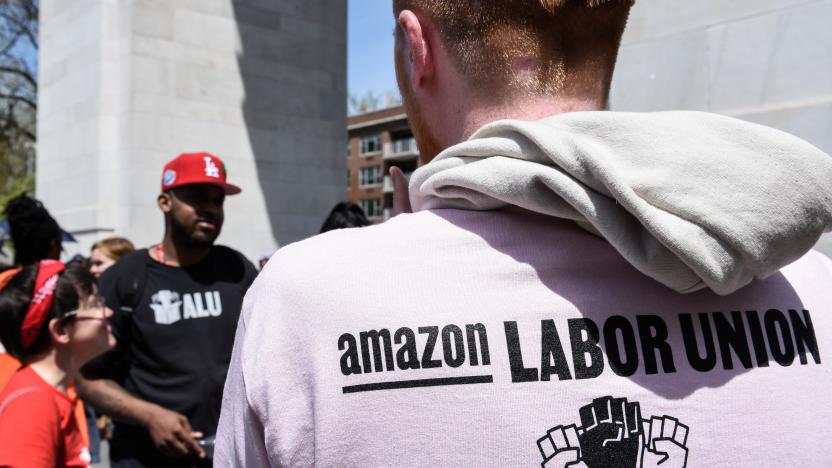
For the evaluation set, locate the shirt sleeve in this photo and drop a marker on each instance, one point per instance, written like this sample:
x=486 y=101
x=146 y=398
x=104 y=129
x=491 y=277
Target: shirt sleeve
x=251 y=273
x=29 y=430
x=267 y=416
x=239 y=440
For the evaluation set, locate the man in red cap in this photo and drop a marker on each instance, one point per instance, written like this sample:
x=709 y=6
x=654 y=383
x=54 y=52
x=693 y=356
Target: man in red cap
x=176 y=308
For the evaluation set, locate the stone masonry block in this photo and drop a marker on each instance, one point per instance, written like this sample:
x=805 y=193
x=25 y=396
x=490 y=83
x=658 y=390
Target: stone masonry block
x=781 y=57
x=652 y=19
x=664 y=74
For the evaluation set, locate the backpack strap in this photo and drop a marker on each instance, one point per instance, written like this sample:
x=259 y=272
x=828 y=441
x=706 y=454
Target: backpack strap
x=129 y=287
x=131 y=281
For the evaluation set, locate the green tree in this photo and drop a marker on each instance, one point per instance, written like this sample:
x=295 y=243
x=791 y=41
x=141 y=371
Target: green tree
x=18 y=96
x=18 y=66
x=16 y=176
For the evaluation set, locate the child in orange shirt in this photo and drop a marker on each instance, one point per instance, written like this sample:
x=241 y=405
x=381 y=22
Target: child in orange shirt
x=53 y=321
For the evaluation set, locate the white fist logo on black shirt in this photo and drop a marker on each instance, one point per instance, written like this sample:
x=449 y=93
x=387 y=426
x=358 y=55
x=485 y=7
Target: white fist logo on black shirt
x=166 y=306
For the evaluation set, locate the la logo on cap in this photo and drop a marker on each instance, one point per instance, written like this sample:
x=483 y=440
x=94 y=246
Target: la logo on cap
x=211 y=169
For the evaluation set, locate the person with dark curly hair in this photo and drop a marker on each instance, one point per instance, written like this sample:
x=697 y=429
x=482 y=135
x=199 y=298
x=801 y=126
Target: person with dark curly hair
x=34 y=232
x=53 y=321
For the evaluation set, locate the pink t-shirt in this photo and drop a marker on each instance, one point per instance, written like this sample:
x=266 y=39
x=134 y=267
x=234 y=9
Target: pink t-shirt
x=503 y=338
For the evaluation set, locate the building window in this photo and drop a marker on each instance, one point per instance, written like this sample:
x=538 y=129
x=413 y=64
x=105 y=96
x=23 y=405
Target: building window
x=370 y=144
x=405 y=145
x=369 y=176
x=348 y=179
x=349 y=150
x=372 y=207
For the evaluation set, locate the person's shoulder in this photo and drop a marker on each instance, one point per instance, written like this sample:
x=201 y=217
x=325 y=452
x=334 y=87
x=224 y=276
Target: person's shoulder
x=226 y=251
x=33 y=399
x=358 y=242
x=224 y=254
x=813 y=261
x=821 y=258
x=133 y=256
x=29 y=419
x=232 y=265
x=24 y=397
x=129 y=261
x=332 y=259
x=810 y=275
x=127 y=264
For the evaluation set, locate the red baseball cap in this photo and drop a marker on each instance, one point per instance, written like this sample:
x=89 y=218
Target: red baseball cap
x=196 y=168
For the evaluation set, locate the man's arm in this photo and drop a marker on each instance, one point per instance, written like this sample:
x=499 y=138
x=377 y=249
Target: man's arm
x=171 y=432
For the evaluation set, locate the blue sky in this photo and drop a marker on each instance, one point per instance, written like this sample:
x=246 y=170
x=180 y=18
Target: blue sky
x=370 y=47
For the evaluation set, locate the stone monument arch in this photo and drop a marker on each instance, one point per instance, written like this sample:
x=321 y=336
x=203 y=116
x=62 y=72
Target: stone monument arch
x=126 y=85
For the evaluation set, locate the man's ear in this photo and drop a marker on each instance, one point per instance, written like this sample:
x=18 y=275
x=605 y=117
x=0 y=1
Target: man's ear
x=165 y=202
x=418 y=50
x=58 y=331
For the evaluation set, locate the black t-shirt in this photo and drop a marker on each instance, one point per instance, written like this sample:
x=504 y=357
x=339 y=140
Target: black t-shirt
x=175 y=346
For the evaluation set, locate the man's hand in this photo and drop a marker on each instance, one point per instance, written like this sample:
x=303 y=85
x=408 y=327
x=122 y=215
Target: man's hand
x=171 y=433
x=401 y=192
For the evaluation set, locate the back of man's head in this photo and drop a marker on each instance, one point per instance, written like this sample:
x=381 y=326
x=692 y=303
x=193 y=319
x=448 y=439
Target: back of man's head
x=540 y=47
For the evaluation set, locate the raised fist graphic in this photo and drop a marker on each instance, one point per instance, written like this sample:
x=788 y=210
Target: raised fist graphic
x=663 y=443
x=560 y=448
x=611 y=427
x=613 y=434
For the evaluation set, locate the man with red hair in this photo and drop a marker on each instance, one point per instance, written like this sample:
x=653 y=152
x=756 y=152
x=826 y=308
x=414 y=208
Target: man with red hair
x=575 y=287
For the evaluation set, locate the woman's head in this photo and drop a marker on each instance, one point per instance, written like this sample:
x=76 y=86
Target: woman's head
x=34 y=232
x=44 y=307
x=106 y=252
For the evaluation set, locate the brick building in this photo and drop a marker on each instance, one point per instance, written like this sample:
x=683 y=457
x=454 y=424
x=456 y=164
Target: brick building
x=377 y=141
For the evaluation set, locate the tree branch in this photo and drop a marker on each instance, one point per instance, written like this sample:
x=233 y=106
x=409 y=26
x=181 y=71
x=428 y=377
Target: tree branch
x=18 y=81
x=11 y=124
x=23 y=99
x=22 y=28
x=28 y=134
x=10 y=45
x=21 y=73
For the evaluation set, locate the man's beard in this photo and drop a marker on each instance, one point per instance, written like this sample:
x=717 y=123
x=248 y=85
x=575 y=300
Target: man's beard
x=189 y=236
x=426 y=140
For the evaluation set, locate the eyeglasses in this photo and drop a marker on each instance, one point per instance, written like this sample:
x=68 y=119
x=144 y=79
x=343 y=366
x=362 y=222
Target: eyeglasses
x=97 y=304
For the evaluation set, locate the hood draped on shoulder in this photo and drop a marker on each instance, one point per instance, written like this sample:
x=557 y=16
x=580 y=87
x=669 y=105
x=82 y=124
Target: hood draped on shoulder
x=691 y=199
